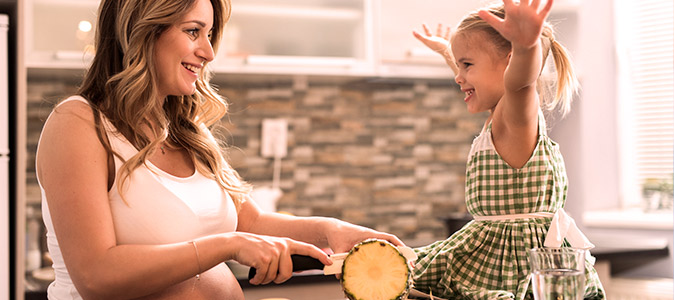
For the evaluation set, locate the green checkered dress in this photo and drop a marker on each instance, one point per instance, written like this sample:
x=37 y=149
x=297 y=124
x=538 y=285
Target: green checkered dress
x=488 y=259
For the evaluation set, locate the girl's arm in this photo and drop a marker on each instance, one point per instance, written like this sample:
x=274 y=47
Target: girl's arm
x=438 y=43
x=72 y=167
x=515 y=120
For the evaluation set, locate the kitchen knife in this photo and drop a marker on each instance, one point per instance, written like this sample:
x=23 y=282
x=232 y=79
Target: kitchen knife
x=303 y=263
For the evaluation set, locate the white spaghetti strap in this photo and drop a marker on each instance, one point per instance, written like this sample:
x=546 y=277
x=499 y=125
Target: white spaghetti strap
x=74 y=98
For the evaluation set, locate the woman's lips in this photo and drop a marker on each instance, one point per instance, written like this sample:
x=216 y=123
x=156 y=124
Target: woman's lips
x=192 y=68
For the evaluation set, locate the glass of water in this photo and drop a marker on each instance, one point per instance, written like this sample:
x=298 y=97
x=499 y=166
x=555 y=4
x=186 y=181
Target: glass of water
x=558 y=273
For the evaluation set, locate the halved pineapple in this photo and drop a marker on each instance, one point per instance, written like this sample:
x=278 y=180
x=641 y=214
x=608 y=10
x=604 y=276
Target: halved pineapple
x=376 y=270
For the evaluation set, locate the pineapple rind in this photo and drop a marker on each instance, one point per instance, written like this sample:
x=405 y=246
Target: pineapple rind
x=381 y=260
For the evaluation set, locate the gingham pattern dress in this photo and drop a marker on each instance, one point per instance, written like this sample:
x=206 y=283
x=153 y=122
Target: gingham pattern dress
x=488 y=259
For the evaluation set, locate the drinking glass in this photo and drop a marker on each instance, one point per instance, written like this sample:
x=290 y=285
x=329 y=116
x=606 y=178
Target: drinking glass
x=558 y=273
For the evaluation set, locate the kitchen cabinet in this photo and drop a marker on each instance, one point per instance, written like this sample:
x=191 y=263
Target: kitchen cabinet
x=400 y=54
x=59 y=34
x=367 y=38
x=263 y=36
x=298 y=37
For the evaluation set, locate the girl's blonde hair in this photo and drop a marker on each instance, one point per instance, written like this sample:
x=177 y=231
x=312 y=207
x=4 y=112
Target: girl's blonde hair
x=122 y=85
x=565 y=85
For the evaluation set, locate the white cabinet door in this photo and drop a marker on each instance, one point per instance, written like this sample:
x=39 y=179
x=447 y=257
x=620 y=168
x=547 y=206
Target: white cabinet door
x=298 y=36
x=60 y=34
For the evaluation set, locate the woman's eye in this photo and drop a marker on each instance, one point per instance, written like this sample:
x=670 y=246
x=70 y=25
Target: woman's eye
x=193 y=32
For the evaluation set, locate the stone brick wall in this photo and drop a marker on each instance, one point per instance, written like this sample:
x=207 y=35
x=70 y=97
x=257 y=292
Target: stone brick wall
x=384 y=154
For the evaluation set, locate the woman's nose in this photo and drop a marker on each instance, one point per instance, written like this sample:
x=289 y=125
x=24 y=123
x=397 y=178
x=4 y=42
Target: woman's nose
x=205 y=50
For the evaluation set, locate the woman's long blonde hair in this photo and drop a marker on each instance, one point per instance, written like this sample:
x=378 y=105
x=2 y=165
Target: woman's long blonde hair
x=565 y=85
x=122 y=85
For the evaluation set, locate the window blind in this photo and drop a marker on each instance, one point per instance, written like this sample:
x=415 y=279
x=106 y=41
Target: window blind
x=645 y=49
x=652 y=68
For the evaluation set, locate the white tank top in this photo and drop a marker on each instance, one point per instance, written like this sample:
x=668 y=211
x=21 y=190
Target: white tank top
x=160 y=208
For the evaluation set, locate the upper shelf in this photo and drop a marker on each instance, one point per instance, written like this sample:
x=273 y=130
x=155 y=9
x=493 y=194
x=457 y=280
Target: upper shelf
x=311 y=37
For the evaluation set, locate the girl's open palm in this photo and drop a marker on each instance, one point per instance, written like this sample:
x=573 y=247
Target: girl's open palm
x=523 y=22
x=437 y=42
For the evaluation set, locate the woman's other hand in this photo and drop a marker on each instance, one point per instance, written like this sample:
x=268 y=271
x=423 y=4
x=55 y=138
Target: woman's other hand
x=343 y=236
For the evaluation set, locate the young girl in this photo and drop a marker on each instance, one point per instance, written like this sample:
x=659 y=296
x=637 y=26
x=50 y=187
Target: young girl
x=515 y=178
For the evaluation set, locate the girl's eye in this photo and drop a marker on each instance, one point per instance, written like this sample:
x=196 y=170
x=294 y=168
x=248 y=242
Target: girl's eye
x=466 y=65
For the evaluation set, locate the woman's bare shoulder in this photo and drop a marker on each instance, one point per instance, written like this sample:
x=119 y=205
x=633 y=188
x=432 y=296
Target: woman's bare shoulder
x=70 y=128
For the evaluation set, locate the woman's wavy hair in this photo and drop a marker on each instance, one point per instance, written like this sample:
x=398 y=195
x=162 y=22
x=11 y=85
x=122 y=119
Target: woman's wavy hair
x=555 y=94
x=121 y=84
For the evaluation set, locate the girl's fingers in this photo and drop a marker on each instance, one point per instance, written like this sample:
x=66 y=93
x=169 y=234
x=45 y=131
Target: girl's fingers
x=426 y=30
x=491 y=19
x=547 y=8
x=509 y=3
x=446 y=37
x=438 y=31
x=535 y=4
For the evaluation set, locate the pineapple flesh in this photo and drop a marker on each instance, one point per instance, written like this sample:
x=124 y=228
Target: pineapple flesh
x=376 y=270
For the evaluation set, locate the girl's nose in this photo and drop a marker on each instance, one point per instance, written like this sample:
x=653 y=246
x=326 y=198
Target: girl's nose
x=459 y=78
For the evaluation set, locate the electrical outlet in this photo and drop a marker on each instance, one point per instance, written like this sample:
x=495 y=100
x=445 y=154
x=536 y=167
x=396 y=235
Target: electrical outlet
x=274 y=138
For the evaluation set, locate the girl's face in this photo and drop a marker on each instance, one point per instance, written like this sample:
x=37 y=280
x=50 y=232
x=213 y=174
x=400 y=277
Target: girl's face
x=181 y=51
x=481 y=70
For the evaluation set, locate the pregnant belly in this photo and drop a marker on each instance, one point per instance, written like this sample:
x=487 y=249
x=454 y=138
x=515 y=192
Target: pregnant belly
x=216 y=283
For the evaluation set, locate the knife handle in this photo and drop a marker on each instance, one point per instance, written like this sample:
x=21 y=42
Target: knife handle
x=300 y=263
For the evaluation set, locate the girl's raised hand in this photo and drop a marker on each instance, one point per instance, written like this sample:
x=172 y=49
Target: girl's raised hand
x=438 y=42
x=523 y=22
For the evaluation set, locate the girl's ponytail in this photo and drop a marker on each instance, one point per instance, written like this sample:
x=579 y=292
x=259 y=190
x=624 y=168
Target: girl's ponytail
x=566 y=82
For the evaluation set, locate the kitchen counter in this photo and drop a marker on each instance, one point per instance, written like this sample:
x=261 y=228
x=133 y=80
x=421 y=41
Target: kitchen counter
x=308 y=284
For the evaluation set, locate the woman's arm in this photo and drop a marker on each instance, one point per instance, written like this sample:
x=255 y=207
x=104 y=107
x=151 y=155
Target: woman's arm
x=323 y=232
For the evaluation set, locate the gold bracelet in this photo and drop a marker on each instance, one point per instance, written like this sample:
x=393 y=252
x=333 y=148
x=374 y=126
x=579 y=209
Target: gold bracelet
x=196 y=251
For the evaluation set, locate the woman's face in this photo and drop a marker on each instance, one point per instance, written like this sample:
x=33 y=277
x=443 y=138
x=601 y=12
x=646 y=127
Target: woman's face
x=181 y=51
x=481 y=70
